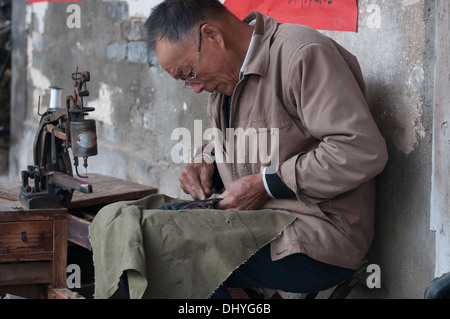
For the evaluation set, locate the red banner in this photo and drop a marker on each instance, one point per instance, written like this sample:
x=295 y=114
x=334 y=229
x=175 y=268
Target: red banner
x=33 y=1
x=338 y=15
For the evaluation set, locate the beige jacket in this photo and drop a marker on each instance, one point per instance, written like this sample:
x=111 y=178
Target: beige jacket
x=311 y=90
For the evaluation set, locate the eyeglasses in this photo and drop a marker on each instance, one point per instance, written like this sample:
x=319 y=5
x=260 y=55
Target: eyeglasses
x=194 y=80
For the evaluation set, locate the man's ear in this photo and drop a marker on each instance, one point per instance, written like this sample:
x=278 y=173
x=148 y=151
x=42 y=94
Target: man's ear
x=213 y=35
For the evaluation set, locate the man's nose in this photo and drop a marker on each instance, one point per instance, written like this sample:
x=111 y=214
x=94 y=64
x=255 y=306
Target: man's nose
x=198 y=87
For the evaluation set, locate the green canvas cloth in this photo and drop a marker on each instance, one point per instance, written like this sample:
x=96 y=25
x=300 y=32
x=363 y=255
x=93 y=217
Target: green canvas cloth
x=175 y=254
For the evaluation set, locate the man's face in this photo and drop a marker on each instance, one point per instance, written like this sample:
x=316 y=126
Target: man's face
x=180 y=61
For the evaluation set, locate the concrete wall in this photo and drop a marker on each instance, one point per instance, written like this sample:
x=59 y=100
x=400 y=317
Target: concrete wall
x=138 y=106
x=396 y=54
x=440 y=198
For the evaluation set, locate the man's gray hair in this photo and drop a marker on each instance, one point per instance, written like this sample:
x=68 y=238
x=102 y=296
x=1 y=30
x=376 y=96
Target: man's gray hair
x=174 y=19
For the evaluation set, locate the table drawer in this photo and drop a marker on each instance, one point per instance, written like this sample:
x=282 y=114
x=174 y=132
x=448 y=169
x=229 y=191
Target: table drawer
x=23 y=237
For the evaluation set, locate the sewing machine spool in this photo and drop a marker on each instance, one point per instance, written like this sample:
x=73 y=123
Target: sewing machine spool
x=55 y=98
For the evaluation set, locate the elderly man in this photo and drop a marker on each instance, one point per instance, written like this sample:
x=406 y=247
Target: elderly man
x=292 y=80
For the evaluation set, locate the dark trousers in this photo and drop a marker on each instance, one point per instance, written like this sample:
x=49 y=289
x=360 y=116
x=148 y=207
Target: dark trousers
x=295 y=273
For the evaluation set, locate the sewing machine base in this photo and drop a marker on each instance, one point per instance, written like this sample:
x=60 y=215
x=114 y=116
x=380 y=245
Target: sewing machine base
x=41 y=200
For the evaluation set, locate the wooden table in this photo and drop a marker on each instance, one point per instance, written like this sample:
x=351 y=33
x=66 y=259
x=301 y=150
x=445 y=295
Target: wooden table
x=33 y=243
x=106 y=190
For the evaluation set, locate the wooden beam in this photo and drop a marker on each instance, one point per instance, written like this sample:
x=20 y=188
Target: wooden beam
x=79 y=231
x=25 y=273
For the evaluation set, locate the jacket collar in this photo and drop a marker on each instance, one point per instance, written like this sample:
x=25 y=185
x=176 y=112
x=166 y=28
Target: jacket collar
x=258 y=57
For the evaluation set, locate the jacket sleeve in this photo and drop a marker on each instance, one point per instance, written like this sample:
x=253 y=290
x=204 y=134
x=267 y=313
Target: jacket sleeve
x=331 y=105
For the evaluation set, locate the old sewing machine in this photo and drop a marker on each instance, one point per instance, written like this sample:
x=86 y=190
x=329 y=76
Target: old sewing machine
x=61 y=128
x=57 y=205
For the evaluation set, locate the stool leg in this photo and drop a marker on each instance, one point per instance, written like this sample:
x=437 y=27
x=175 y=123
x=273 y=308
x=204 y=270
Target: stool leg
x=308 y=295
x=342 y=290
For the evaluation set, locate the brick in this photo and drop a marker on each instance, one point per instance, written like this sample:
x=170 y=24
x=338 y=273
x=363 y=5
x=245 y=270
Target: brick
x=116 y=51
x=117 y=10
x=137 y=52
x=133 y=30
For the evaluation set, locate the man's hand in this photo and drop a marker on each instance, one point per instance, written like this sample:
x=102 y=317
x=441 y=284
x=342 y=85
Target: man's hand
x=196 y=180
x=246 y=193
